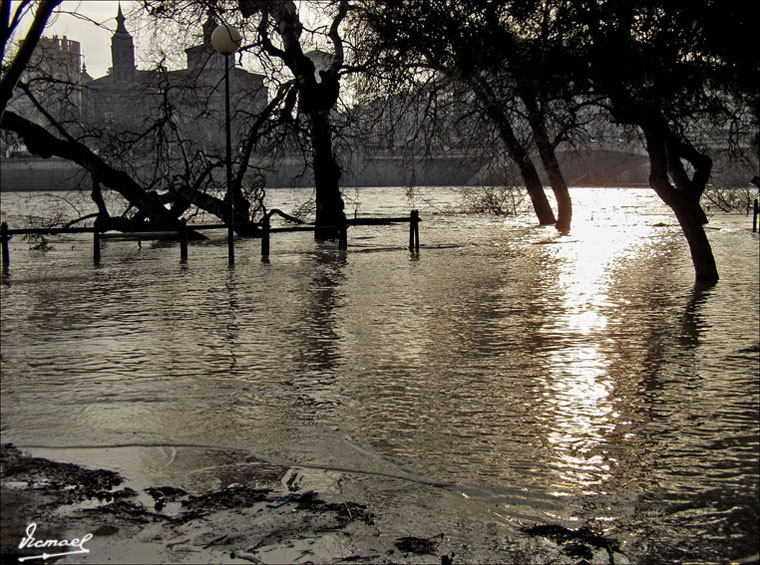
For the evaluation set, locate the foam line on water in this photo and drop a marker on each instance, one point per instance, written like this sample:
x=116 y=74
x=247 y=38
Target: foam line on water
x=266 y=459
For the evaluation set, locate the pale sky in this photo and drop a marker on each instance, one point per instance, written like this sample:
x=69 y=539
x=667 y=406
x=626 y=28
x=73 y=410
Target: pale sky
x=94 y=29
x=95 y=26
x=95 y=41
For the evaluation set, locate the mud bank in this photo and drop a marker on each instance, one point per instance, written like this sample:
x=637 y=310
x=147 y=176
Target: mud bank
x=273 y=518
x=262 y=521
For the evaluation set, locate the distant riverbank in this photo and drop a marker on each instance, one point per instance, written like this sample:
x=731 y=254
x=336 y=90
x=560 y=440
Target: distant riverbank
x=31 y=173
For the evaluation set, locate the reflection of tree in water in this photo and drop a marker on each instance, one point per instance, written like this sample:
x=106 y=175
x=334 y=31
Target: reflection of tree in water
x=693 y=320
x=610 y=339
x=317 y=339
x=669 y=457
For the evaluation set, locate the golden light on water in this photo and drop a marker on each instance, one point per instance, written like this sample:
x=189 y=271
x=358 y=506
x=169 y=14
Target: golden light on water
x=556 y=379
x=580 y=392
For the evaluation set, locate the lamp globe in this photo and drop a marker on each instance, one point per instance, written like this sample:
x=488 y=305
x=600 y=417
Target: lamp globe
x=226 y=39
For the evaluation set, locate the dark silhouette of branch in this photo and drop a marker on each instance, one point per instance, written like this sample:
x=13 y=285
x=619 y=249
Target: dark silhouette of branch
x=20 y=61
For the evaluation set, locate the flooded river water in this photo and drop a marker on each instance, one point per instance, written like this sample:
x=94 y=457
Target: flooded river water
x=572 y=380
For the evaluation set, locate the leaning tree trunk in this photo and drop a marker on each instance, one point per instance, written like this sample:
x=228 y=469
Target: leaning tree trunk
x=41 y=142
x=533 y=183
x=687 y=212
x=14 y=67
x=517 y=153
x=683 y=194
x=151 y=208
x=549 y=159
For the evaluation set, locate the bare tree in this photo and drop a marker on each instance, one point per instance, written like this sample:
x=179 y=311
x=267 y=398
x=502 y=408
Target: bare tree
x=163 y=173
x=313 y=87
x=14 y=63
x=317 y=91
x=665 y=69
x=475 y=44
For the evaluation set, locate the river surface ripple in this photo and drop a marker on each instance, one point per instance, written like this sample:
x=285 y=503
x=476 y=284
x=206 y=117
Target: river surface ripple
x=578 y=379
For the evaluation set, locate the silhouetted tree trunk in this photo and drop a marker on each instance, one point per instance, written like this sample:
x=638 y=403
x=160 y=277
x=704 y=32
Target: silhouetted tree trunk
x=536 y=119
x=517 y=152
x=41 y=142
x=13 y=69
x=329 y=203
x=151 y=208
x=666 y=155
x=671 y=70
x=316 y=99
x=472 y=43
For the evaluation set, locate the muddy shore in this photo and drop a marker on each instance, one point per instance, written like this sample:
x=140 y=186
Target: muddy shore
x=261 y=521
x=271 y=517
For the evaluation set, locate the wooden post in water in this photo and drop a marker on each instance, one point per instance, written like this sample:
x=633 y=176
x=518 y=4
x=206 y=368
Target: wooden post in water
x=755 y=213
x=96 y=241
x=417 y=231
x=414 y=231
x=342 y=233
x=183 y=241
x=6 y=238
x=265 y=237
x=411 y=231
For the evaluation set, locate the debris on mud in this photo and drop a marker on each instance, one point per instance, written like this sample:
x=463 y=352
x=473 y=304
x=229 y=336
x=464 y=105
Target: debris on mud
x=578 y=544
x=273 y=514
x=73 y=482
x=232 y=522
x=419 y=546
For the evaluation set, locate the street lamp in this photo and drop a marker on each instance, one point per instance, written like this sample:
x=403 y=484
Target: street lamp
x=226 y=40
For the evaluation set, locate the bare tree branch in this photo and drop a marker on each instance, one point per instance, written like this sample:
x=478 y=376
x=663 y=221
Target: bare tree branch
x=20 y=61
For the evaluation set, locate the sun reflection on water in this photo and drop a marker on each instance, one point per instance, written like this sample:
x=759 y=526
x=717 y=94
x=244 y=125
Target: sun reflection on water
x=580 y=396
x=556 y=379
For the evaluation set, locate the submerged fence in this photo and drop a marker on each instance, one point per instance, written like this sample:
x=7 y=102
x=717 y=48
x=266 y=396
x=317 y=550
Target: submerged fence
x=6 y=233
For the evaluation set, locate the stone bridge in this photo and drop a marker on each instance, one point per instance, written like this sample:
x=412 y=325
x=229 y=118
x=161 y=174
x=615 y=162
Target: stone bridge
x=605 y=167
x=615 y=163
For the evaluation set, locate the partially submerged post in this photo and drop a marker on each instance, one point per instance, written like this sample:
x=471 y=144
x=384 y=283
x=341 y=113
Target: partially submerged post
x=265 y=237
x=96 y=241
x=755 y=213
x=414 y=231
x=342 y=233
x=6 y=238
x=183 y=241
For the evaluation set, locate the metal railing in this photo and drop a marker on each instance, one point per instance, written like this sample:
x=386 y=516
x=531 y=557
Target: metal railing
x=6 y=233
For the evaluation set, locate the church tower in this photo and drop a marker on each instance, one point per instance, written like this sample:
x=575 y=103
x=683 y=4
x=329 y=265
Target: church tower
x=122 y=52
x=204 y=57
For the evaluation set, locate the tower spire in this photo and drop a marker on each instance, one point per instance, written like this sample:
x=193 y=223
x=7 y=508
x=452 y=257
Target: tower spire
x=122 y=51
x=120 y=27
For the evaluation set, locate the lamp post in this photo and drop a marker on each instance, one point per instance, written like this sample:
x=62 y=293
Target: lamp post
x=226 y=40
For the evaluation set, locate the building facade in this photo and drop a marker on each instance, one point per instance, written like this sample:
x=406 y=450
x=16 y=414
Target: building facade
x=190 y=100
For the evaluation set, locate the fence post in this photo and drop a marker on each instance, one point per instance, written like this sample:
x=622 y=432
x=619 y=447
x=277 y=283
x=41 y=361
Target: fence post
x=342 y=233
x=755 y=213
x=414 y=231
x=265 y=237
x=417 y=231
x=6 y=238
x=183 y=241
x=96 y=241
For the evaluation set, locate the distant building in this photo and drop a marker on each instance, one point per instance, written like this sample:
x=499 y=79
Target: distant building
x=123 y=69
x=60 y=59
x=131 y=100
x=54 y=78
x=192 y=98
x=322 y=62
